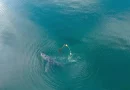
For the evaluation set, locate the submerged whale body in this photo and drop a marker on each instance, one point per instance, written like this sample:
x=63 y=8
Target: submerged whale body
x=49 y=60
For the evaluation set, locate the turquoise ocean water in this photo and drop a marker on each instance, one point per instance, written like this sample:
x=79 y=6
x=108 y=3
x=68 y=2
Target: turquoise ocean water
x=97 y=32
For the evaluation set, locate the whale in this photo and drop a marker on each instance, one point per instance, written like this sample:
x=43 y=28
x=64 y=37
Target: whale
x=50 y=61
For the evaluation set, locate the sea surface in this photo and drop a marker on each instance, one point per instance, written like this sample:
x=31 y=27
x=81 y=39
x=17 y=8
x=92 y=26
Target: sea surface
x=96 y=31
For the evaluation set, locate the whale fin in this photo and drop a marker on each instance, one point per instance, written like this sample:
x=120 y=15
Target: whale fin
x=47 y=67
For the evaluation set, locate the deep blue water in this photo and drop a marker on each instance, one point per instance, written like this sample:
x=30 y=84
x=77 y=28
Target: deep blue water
x=97 y=32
